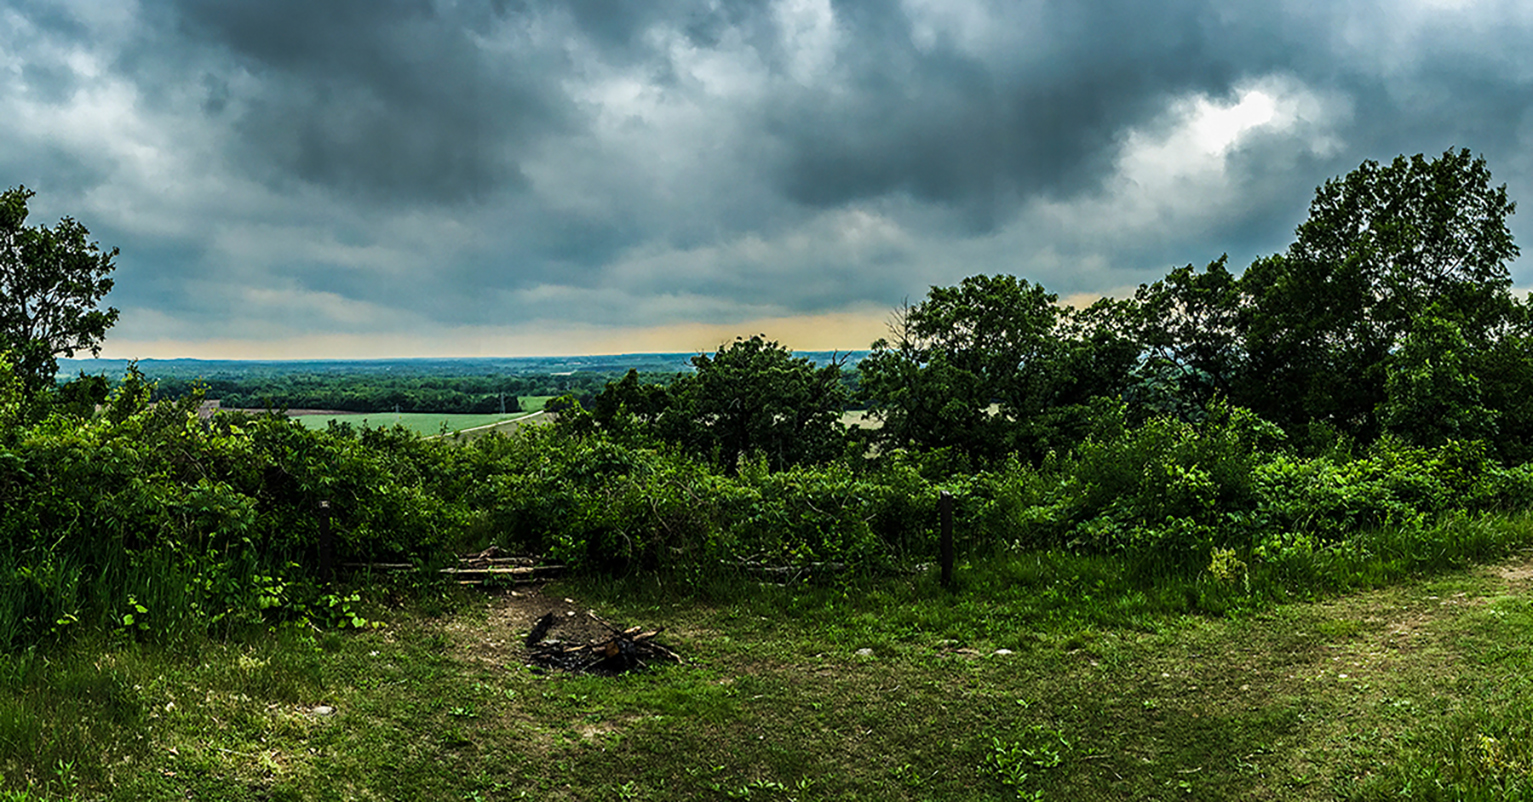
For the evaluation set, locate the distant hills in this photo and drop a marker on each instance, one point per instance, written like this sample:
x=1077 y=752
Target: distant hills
x=478 y=366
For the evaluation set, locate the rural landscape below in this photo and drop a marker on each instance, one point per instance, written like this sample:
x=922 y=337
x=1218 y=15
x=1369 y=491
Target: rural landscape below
x=1233 y=536
x=765 y=400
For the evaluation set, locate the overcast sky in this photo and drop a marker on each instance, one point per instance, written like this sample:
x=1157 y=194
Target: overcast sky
x=355 y=178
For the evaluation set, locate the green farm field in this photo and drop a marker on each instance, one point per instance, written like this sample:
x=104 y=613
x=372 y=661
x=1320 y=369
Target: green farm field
x=425 y=423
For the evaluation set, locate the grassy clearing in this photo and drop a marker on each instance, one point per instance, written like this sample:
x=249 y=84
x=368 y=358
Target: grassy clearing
x=501 y=427
x=893 y=689
x=533 y=403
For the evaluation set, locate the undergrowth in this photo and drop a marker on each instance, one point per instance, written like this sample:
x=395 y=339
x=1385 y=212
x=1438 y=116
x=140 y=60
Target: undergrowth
x=150 y=522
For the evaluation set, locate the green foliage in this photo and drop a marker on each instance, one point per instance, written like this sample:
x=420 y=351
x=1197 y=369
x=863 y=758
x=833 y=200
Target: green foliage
x=1431 y=397
x=1168 y=488
x=12 y=398
x=1504 y=370
x=363 y=392
x=1384 y=248
x=963 y=366
x=1188 y=325
x=1016 y=763
x=752 y=398
x=51 y=282
x=158 y=524
x=81 y=396
x=191 y=526
x=1400 y=371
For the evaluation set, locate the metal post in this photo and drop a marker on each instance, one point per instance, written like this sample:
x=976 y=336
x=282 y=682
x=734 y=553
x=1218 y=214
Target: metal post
x=945 y=511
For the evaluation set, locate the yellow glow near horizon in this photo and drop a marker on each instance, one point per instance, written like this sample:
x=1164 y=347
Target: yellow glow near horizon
x=847 y=330
x=850 y=330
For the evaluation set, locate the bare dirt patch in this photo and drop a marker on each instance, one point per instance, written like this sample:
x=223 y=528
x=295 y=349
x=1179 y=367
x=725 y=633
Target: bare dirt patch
x=510 y=614
x=1518 y=576
x=1388 y=640
x=500 y=639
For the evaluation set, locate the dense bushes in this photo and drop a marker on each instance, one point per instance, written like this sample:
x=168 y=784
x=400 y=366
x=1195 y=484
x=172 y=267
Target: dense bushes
x=152 y=517
x=1387 y=355
x=150 y=521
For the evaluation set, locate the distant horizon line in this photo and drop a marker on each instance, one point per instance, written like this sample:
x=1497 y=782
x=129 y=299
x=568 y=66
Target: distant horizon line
x=630 y=354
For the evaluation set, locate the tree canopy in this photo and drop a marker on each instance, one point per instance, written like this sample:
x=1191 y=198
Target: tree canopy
x=963 y=365
x=750 y=398
x=52 y=281
x=1383 y=247
x=1391 y=311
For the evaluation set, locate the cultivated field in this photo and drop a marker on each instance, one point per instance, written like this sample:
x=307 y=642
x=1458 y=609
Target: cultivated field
x=427 y=423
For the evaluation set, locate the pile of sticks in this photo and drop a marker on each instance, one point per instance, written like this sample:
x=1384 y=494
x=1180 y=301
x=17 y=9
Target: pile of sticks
x=481 y=567
x=622 y=650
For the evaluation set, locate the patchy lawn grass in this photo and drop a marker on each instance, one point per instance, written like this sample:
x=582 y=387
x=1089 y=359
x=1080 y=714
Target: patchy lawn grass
x=1027 y=683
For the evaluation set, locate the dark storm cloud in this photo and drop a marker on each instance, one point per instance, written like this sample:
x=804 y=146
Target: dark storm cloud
x=470 y=161
x=397 y=99
x=620 y=27
x=402 y=98
x=983 y=131
x=959 y=128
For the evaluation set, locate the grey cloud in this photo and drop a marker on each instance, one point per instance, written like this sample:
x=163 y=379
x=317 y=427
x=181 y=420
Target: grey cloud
x=484 y=149
x=54 y=172
x=397 y=101
x=619 y=27
x=51 y=18
x=984 y=132
x=952 y=127
x=51 y=81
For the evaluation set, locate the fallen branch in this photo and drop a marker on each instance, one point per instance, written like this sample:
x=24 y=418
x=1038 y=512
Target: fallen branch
x=482 y=566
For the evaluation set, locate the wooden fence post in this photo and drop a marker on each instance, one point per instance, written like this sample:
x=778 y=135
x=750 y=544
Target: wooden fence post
x=945 y=511
x=326 y=543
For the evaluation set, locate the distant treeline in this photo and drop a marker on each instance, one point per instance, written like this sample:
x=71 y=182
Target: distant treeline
x=383 y=393
x=470 y=386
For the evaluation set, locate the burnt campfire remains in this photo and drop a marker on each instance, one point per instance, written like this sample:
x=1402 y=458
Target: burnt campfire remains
x=614 y=651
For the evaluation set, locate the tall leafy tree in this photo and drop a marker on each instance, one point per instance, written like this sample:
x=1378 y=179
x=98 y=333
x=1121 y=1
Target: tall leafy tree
x=1504 y=371
x=1188 y=325
x=964 y=366
x=1098 y=348
x=752 y=397
x=1383 y=245
x=630 y=397
x=1093 y=359
x=1431 y=393
x=52 y=281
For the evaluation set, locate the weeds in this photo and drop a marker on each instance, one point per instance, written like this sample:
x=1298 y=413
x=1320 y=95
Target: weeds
x=146 y=522
x=1014 y=763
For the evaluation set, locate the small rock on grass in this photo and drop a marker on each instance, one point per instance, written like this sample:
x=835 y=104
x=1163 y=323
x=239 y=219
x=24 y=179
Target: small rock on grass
x=322 y=710
x=864 y=652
